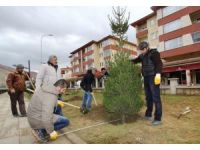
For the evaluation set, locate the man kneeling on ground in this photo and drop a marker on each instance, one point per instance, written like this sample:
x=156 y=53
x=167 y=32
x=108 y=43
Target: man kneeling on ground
x=43 y=121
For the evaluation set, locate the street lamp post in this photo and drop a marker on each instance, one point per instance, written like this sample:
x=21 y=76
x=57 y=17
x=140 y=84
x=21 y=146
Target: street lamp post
x=42 y=36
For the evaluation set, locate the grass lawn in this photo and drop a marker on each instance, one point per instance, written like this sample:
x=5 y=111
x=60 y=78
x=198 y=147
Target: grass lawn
x=137 y=130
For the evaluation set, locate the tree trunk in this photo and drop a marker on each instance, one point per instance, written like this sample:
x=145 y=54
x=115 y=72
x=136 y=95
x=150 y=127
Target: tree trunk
x=123 y=118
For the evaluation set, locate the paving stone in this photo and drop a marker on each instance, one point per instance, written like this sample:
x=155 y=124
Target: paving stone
x=28 y=139
x=10 y=140
x=23 y=122
x=73 y=137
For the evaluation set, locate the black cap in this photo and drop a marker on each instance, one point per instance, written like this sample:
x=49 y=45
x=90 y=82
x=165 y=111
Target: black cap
x=20 y=66
x=143 y=45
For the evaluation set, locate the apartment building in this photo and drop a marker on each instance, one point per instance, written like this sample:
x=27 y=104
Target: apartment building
x=175 y=32
x=66 y=73
x=97 y=54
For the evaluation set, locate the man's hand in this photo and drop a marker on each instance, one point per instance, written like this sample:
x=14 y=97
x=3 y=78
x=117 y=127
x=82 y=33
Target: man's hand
x=12 y=91
x=53 y=135
x=157 y=79
x=61 y=104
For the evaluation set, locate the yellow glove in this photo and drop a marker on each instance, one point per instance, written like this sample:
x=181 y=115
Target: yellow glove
x=157 y=79
x=61 y=104
x=53 y=135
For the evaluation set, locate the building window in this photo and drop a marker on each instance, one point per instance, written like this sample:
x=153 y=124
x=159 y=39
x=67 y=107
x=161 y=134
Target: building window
x=87 y=49
x=75 y=55
x=106 y=63
x=100 y=45
x=101 y=54
x=107 y=53
x=89 y=66
x=101 y=64
x=87 y=58
x=105 y=43
x=174 y=25
x=76 y=70
x=152 y=23
x=170 y=10
x=154 y=35
x=174 y=43
x=196 y=36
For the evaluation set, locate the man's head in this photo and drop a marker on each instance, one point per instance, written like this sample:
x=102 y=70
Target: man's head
x=103 y=70
x=20 y=68
x=53 y=60
x=91 y=70
x=143 y=47
x=61 y=85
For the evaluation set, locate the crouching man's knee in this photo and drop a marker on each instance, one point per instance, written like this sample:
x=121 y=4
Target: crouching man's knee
x=61 y=123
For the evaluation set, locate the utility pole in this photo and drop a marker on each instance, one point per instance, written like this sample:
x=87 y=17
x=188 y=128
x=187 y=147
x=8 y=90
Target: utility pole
x=29 y=68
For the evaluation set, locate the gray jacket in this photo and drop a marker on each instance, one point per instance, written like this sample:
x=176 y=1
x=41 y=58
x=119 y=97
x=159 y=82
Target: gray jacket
x=47 y=75
x=40 y=110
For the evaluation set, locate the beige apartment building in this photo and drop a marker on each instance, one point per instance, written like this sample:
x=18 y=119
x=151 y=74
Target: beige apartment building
x=66 y=73
x=175 y=32
x=97 y=54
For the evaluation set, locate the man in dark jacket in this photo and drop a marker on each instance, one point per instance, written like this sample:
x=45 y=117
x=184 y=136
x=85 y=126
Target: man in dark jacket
x=86 y=85
x=16 y=86
x=151 y=71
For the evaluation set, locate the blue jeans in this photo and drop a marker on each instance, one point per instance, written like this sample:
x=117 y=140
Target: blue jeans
x=87 y=100
x=61 y=123
x=58 y=110
x=152 y=93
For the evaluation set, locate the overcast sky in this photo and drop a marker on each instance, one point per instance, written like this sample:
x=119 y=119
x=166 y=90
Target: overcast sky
x=21 y=29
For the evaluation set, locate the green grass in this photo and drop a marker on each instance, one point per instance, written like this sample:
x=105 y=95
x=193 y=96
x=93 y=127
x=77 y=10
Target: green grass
x=136 y=130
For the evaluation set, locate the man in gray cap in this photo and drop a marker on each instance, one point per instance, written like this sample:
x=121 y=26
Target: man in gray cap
x=16 y=86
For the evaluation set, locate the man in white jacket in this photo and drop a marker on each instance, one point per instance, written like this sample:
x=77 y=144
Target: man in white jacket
x=49 y=73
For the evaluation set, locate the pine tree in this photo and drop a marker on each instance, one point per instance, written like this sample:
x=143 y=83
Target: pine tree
x=122 y=94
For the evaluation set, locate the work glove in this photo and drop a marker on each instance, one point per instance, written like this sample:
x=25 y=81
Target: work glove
x=53 y=135
x=157 y=79
x=61 y=104
x=12 y=91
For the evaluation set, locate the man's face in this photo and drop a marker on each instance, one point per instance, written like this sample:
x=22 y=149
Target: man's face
x=54 y=61
x=93 y=71
x=20 y=70
x=103 y=71
x=144 y=51
x=61 y=90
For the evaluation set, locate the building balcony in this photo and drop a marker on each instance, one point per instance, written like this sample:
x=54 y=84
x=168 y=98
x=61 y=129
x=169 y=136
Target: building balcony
x=180 y=51
x=142 y=33
x=75 y=66
x=107 y=58
x=195 y=17
x=79 y=74
x=179 y=32
x=88 y=62
x=115 y=47
x=88 y=53
x=76 y=58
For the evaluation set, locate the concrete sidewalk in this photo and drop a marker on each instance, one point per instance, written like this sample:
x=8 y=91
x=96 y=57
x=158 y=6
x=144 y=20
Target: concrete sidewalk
x=17 y=130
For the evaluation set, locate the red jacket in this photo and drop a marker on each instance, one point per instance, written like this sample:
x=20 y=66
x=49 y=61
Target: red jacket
x=16 y=81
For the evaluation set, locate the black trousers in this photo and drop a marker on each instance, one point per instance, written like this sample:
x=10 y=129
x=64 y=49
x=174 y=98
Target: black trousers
x=17 y=97
x=152 y=93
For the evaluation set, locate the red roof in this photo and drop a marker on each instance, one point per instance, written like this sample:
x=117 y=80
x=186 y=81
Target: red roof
x=154 y=8
x=86 y=45
x=143 y=20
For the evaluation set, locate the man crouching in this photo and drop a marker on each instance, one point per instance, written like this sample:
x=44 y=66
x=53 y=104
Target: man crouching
x=43 y=121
